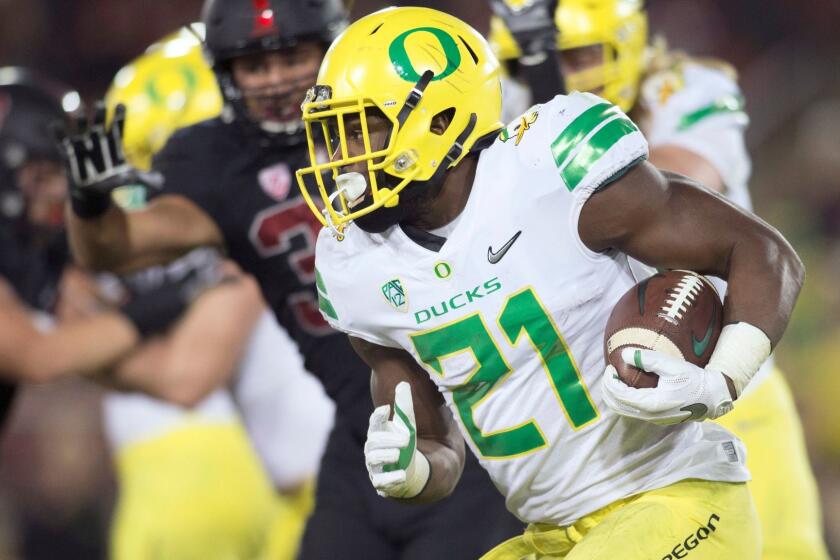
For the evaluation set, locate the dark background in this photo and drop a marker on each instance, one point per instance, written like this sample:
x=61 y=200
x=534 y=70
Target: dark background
x=55 y=480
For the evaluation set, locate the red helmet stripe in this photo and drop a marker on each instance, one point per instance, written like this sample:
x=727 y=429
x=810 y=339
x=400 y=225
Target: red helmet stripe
x=263 y=18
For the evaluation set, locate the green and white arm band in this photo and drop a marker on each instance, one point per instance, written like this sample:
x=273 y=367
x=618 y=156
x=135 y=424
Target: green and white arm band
x=740 y=351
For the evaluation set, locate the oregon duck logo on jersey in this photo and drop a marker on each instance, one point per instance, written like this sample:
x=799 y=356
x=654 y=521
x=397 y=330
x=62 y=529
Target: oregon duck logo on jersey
x=518 y=128
x=395 y=294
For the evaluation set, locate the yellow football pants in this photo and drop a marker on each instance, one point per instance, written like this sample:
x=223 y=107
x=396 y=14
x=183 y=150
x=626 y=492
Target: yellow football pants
x=289 y=522
x=783 y=485
x=196 y=493
x=694 y=519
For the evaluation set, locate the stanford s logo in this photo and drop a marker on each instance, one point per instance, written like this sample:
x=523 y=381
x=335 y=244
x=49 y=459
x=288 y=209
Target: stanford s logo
x=288 y=230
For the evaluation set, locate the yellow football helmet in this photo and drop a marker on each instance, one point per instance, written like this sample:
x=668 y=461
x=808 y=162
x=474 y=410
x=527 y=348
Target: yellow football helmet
x=410 y=64
x=620 y=26
x=168 y=87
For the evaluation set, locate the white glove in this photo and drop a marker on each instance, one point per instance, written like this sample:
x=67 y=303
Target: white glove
x=684 y=393
x=395 y=466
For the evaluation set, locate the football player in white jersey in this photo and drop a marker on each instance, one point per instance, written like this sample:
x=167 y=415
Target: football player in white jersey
x=438 y=222
x=692 y=112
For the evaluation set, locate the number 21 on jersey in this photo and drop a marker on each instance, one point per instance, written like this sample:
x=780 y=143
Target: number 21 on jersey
x=522 y=314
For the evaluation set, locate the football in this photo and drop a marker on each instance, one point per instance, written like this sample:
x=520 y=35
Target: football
x=677 y=312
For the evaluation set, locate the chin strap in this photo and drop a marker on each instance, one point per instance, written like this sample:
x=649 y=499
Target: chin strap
x=455 y=151
x=413 y=98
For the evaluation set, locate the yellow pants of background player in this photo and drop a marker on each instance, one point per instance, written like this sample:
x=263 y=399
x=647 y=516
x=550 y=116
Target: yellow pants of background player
x=783 y=485
x=290 y=517
x=197 y=493
x=693 y=519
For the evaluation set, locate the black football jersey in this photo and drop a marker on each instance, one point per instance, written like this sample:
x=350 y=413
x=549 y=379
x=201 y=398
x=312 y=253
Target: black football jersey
x=249 y=189
x=32 y=270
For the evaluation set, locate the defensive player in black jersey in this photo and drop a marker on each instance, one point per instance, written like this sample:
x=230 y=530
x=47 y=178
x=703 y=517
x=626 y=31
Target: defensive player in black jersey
x=34 y=254
x=157 y=449
x=227 y=182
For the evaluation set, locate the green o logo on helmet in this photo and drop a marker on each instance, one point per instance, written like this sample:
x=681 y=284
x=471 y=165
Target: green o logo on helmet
x=184 y=71
x=402 y=62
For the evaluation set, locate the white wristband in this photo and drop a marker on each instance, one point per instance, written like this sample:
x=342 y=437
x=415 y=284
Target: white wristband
x=416 y=475
x=739 y=353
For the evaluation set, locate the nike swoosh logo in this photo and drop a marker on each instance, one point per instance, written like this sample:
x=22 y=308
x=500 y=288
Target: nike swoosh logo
x=700 y=346
x=697 y=410
x=496 y=256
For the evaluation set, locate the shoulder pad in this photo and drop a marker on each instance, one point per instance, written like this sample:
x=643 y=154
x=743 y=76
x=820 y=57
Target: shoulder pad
x=590 y=139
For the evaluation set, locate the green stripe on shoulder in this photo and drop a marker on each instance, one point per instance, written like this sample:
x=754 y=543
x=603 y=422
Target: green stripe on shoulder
x=727 y=104
x=594 y=148
x=325 y=306
x=319 y=282
x=574 y=134
x=577 y=149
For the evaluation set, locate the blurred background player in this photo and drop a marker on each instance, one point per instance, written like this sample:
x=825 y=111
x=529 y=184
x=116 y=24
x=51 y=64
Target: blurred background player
x=189 y=482
x=228 y=181
x=159 y=444
x=224 y=505
x=34 y=257
x=53 y=324
x=692 y=112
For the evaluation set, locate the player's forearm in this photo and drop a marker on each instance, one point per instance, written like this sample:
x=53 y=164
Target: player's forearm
x=99 y=243
x=668 y=221
x=209 y=342
x=148 y=370
x=80 y=348
x=132 y=373
x=446 y=462
x=200 y=353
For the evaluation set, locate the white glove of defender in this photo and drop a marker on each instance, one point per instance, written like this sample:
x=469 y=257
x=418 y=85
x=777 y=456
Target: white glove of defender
x=395 y=466
x=684 y=393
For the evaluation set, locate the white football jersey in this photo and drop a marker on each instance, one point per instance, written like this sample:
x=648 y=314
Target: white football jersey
x=508 y=318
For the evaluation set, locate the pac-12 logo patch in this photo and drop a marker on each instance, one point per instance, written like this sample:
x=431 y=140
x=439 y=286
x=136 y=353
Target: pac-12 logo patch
x=395 y=294
x=276 y=181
